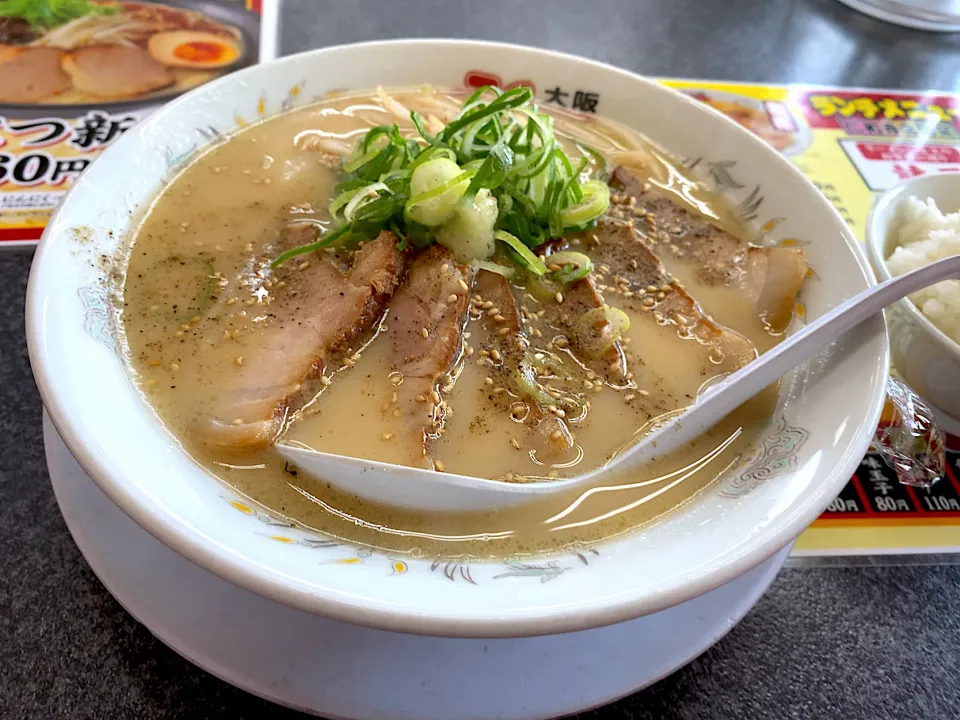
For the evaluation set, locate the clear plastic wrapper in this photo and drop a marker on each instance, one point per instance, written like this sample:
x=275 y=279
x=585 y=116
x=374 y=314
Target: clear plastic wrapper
x=912 y=443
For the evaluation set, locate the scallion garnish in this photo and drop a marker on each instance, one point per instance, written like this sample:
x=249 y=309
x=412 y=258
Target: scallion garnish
x=499 y=149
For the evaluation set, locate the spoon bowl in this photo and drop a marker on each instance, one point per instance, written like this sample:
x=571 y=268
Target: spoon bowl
x=430 y=490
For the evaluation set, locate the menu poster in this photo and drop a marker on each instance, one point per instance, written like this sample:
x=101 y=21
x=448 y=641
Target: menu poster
x=75 y=76
x=852 y=144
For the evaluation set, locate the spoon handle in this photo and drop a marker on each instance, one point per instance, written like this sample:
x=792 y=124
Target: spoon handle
x=725 y=397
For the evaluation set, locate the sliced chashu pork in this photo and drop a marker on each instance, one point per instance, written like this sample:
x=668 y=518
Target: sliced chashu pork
x=115 y=71
x=506 y=344
x=630 y=277
x=328 y=309
x=771 y=276
x=425 y=328
x=578 y=298
x=31 y=74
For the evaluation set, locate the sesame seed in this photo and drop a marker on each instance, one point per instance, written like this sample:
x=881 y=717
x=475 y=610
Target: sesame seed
x=646 y=187
x=642 y=393
x=179 y=333
x=469 y=350
x=251 y=301
x=553 y=474
x=517 y=408
x=154 y=363
x=558 y=297
x=536 y=333
x=665 y=288
x=325 y=381
x=487 y=305
x=556 y=435
x=499 y=318
x=553 y=267
x=495 y=354
x=421 y=398
x=425 y=332
x=588 y=385
x=237 y=421
x=396 y=413
x=561 y=342
x=560 y=413
x=503 y=331
x=444 y=267
x=488 y=380
x=238 y=360
x=661 y=296
x=438 y=465
x=538 y=356
x=435 y=396
x=509 y=477
x=515 y=443
x=649 y=302
x=304 y=265
x=231 y=301
x=629 y=397
x=452 y=298
x=493 y=311
x=597 y=387
x=463 y=284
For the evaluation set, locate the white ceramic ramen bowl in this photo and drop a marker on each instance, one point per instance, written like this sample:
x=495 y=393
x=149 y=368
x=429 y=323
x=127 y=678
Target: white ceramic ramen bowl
x=926 y=357
x=815 y=439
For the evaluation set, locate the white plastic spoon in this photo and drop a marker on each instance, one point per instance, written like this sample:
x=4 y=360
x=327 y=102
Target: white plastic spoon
x=428 y=490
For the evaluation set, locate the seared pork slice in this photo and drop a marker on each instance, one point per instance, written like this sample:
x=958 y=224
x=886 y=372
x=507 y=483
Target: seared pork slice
x=323 y=311
x=577 y=299
x=31 y=74
x=425 y=326
x=506 y=345
x=115 y=71
x=772 y=277
x=632 y=277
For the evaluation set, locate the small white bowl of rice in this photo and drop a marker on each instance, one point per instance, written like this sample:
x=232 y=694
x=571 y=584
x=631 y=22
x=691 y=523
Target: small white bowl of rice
x=911 y=225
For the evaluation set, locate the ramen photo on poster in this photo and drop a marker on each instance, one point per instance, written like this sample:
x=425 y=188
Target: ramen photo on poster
x=76 y=74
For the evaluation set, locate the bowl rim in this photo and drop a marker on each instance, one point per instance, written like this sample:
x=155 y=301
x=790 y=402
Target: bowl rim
x=876 y=241
x=192 y=544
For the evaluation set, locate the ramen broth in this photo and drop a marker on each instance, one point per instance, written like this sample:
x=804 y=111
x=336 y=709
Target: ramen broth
x=199 y=294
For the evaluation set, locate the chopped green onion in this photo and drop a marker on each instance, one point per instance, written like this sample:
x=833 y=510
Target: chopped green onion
x=436 y=186
x=326 y=240
x=573 y=266
x=596 y=200
x=529 y=261
x=423 y=186
x=497 y=268
x=596 y=331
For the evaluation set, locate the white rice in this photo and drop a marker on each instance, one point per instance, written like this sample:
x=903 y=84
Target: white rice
x=923 y=235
